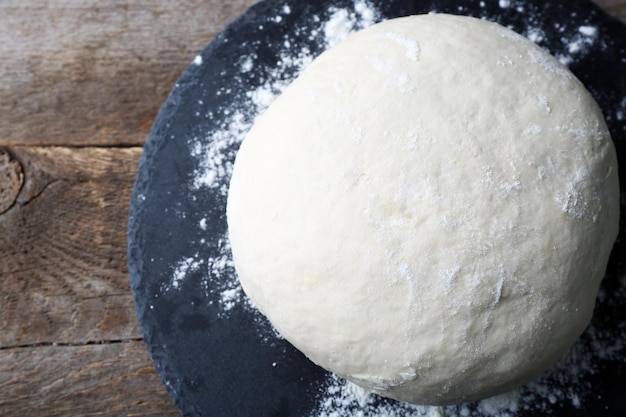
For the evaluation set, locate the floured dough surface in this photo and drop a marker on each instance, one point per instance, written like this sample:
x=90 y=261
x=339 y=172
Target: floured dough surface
x=428 y=210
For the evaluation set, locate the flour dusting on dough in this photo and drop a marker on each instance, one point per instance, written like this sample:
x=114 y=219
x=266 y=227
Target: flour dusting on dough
x=215 y=152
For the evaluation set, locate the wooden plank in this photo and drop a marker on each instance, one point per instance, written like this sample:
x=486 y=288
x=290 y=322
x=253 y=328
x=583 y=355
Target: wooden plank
x=64 y=275
x=94 y=380
x=87 y=72
x=69 y=339
x=616 y=8
x=11 y=180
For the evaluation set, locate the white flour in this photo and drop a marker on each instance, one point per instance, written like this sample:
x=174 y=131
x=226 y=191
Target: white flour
x=181 y=270
x=564 y=383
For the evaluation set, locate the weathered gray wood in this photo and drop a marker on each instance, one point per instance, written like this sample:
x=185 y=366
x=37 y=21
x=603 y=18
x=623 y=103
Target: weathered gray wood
x=11 y=180
x=616 y=8
x=115 y=379
x=90 y=72
x=69 y=339
x=63 y=275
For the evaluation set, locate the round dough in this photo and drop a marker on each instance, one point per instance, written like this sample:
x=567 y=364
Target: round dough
x=428 y=210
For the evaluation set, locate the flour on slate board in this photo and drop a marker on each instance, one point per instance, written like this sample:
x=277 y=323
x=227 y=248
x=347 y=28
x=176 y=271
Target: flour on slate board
x=215 y=153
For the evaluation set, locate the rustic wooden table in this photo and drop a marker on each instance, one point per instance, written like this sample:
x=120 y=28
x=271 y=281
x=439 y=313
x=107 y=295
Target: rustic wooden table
x=81 y=83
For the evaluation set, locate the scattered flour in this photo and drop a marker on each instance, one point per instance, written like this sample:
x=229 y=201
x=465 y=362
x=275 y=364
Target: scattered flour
x=412 y=47
x=578 y=43
x=215 y=153
x=222 y=281
x=620 y=113
x=182 y=269
x=588 y=30
x=564 y=384
x=343 y=22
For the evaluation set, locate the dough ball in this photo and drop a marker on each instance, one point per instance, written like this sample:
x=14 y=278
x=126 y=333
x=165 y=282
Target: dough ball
x=428 y=210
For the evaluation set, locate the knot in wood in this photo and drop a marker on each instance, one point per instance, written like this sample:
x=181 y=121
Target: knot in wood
x=11 y=180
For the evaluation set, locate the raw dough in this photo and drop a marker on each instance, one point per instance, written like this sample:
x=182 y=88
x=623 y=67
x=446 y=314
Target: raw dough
x=428 y=210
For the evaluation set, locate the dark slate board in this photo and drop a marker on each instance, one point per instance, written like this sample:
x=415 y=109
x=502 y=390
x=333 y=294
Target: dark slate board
x=217 y=363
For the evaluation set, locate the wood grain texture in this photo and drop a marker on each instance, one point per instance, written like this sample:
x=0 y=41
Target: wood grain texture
x=11 y=180
x=69 y=339
x=616 y=8
x=93 y=380
x=64 y=273
x=88 y=72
